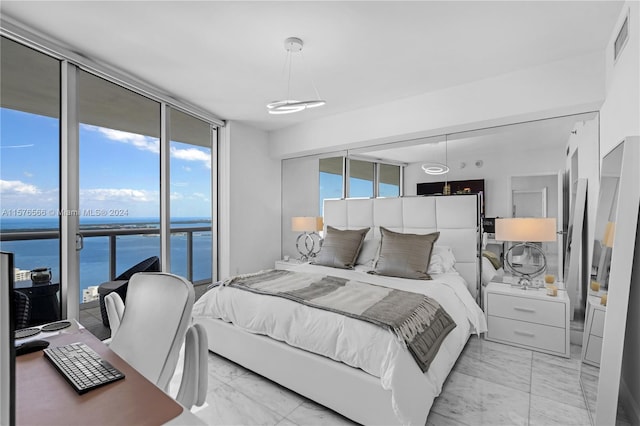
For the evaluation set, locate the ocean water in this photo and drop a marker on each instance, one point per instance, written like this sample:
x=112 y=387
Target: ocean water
x=94 y=257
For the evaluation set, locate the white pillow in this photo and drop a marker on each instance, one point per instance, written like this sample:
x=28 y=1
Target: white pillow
x=442 y=260
x=368 y=252
x=488 y=271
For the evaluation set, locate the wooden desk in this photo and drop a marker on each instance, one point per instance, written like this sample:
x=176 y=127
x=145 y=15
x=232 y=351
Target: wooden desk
x=43 y=396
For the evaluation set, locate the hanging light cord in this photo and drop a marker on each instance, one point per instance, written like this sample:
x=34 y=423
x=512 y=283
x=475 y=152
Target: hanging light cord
x=446 y=158
x=289 y=105
x=287 y=68
x=306 y=68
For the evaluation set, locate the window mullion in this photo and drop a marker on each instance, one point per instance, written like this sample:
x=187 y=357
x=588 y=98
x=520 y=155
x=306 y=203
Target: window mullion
x=165 y=190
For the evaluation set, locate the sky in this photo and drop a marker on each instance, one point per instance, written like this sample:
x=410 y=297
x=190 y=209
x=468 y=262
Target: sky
x=119 y=171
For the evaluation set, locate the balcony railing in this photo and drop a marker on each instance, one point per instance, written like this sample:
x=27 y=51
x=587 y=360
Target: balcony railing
x=112 y=233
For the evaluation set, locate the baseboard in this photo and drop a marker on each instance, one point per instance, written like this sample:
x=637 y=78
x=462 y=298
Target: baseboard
x=630 y=404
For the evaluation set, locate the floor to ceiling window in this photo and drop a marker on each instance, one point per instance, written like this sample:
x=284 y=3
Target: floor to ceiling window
x=118 y=173
x=361 y=179
x=388 y=180
x=29 y=160
x=119 y=178
x=366 y=179
x=331 y=181
x=190 y=206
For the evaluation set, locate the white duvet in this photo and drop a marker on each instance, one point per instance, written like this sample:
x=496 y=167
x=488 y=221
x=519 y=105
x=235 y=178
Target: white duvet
x=354 y=342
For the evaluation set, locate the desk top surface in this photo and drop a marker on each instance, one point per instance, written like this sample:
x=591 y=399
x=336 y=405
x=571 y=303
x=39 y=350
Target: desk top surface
x=44 y=397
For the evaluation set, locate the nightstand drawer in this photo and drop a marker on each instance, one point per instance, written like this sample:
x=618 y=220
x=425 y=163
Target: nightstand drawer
x=526 y=309
x=536 y=336
x=594 y=349
x=597 y=326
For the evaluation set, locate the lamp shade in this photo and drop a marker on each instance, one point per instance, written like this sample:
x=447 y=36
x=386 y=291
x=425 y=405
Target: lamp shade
x=306 y=224
x=526 y=229
x=609 y=233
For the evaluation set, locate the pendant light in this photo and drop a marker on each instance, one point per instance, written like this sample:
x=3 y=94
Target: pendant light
x=435 y=168
x=293 y=45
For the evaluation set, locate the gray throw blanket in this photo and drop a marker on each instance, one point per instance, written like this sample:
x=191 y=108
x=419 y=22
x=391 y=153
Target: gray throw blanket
x=419 y=322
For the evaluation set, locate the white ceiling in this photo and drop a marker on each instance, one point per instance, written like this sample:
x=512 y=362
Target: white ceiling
x=228 y=57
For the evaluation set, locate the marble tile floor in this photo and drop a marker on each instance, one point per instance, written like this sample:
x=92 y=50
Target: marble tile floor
x=491 y=384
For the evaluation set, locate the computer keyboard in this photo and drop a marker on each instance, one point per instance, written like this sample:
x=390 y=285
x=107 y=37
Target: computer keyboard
x=82 y=366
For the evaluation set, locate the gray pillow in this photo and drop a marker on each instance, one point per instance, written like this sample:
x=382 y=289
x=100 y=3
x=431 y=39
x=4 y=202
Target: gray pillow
x=340 y=248
x=405 y=255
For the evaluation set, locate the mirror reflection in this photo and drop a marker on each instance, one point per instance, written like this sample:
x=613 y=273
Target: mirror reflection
x=527 y=169
x=520 y=169
x=599 y=275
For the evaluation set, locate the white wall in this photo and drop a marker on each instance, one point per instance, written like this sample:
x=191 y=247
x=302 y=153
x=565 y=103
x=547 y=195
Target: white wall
x=620 y=117
x=570 y=86
x=620 y=113
x=249 y=201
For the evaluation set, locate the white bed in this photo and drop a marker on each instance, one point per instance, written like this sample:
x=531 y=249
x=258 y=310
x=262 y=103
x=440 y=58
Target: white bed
x=379 y=383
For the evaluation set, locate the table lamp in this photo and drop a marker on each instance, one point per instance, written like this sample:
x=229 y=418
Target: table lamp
x=306 y=242
x=604 y=264
x=609 y=233
x=526 y=232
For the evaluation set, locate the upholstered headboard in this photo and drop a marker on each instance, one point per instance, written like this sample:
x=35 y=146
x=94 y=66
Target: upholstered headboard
x=456 y=217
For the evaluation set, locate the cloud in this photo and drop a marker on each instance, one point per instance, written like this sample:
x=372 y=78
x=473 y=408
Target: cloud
x=108 y=194
x=201 y=196
x=148 y=143
x=17 y=146
x=143 y=143
x=17 y=187
x=192 y=154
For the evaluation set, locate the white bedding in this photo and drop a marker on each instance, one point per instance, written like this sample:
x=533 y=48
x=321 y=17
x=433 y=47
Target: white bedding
x=354 y=342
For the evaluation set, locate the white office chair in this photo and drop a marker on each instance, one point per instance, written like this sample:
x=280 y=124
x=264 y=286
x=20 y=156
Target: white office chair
x=150 y=330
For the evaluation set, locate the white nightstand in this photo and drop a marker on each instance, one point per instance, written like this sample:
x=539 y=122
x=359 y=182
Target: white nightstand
x=593 y=331
x=528 y=318
x=286 y=264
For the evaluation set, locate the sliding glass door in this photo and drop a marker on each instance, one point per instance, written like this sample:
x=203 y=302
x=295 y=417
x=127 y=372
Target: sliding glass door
x=92 y=181
x=190 y=168
x=30 y=170
x=119 y=180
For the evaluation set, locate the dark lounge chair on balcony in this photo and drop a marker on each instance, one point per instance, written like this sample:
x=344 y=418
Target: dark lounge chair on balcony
x=22 y=309
x=121 y=283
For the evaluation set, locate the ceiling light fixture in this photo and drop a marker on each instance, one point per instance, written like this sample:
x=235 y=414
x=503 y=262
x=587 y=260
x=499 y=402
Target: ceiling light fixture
x=435 y=168
x=288 y=106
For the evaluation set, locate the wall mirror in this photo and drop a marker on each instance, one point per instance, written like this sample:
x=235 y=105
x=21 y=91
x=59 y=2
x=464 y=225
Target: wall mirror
x=523 y=158
x=610 y=279
x=505 y=157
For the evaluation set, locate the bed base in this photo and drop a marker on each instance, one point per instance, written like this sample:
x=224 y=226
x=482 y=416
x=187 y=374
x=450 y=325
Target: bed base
x=346 y=390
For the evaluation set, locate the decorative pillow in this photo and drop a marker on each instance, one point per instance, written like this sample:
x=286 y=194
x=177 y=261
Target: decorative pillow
x=340 y=248
x=493 y=258
x=405 y=255
x=488 y=271
x=368 y=252
x=442 y=260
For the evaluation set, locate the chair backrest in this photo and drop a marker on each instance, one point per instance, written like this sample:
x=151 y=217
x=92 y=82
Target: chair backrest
x=22 y=309
x=154 y=324
x=151 y=264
